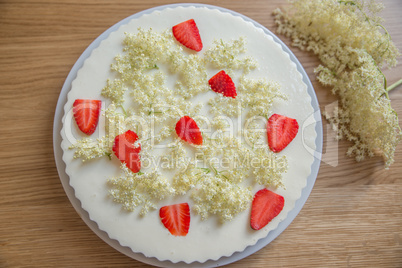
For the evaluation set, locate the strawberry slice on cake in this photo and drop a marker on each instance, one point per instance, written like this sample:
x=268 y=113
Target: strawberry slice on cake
x=188 y=35
x=176 y=218
x=127 y=151
x=281 y=130
x=86 y=113
x=188 y=130
x=222 y=83
x=266 y=206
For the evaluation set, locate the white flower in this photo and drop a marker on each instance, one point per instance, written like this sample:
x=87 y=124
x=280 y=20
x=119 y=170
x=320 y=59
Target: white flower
x=352 y=45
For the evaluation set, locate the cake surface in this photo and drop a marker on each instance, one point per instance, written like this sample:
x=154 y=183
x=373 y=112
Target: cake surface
x=208 y=239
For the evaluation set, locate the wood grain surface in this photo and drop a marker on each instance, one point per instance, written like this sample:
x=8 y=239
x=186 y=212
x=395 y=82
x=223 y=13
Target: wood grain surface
x=353 y=217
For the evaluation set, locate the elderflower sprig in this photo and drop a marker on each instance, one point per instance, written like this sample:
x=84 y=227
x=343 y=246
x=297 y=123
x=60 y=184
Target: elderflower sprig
x=114 y=90
x=88 y=148
x=352 y=45
x=140 y=189
x=216 y=195
x=225 y=55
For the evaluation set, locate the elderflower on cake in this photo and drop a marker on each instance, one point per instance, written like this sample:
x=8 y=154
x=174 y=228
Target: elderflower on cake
x=199 y=150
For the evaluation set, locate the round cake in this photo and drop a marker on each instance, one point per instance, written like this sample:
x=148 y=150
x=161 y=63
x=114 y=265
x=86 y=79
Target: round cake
x=151 y=86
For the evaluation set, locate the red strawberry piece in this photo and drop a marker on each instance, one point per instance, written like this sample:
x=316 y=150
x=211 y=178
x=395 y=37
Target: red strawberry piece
x=86 y=114
x=222 y=83
x=281 y=130
x=187 y=130
x=176 y=218
x=266 y=206
x=126 y=151
x=188 y=35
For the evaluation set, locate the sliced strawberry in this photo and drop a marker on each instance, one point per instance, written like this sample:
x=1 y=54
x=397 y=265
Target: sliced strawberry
x=86 y=114
x=266 y=206
x=176 y=218
x=281 y=130
x=222 y=83
x=126 y=151
x=188 y=35
x=187 y=130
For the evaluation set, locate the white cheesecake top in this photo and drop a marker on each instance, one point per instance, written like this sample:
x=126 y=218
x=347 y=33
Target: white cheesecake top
x=208 y=239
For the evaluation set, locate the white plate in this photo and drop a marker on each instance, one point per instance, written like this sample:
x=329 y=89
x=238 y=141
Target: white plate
x=153 y=261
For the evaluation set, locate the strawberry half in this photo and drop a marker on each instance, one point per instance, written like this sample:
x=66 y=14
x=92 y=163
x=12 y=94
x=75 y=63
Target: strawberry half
x=266 y=206
x=222 y=83
x=86 y=114
x=176 y=218
x=188 y=35
x=188 y=130
x=126 y=151
x=281 y=130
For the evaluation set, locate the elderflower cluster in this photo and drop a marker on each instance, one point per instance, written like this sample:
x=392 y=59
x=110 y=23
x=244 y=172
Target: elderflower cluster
x=186 y=179
x=114 y=90
x=352 y=46
x=216 y=195
x=373 y=124
x=259 y=95
x=140 y=189
x=225 y=55
x=269 y=171
x=115 y=122
x=234 y=163
x=89 y=149
x=176 y=156
x=193 y=75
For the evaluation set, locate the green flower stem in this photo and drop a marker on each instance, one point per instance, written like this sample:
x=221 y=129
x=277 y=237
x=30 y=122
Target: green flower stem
x=124 y=110
x=394 y=85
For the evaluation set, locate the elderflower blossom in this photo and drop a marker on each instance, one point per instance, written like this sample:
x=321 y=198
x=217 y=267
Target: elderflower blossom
x=255 y=132
x=373 y=125
x=144 y=51
x=259 y=95
x=187 y=178
x=235 y=159
x=176 y=156
x=224 y=105
x=269 y=169
x=221 y=122
x=148 y=91
x=225 y=55
x=133 y=190
x=114 y=90
x=115 y=122
x=89 y=149
x=193 y=76
x=352 y=45
x=216 y=195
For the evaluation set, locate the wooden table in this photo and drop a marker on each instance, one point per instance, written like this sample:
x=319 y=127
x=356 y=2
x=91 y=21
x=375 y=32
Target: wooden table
x=352 y=218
